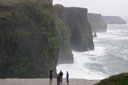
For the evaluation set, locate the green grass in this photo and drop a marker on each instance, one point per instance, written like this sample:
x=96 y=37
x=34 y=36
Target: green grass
x=5 y=13
x=121 y=79
x=11 y=2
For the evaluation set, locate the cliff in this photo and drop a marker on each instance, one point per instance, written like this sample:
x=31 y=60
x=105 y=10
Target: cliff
x=113 y=20
x=97 y=23
x=65 y=53
x=120 y=79
x=76 y=20
x=29 y=42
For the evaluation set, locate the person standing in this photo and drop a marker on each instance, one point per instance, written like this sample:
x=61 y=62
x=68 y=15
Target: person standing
x=67 y=77
x=58 y=79
x=50 y=73
x=61 y=76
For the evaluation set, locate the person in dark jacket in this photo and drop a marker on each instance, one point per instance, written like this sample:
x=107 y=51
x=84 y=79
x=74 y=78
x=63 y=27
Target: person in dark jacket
x=67 y=77
x=58 y=79
x=61 y=76
x=50 y=73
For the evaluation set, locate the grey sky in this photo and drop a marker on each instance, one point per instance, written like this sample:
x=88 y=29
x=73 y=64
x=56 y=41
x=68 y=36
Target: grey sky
x=104 y=7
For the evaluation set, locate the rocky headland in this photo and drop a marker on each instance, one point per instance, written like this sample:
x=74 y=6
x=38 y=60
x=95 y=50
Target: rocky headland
x=114 y=20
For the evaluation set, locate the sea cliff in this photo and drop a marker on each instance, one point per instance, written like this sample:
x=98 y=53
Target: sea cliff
x=97 y=23
x=33 y=38
x=76 y=19
x=65 y=53
x=29 y=42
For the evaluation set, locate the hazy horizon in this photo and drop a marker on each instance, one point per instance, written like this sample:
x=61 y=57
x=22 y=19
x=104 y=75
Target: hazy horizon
x=104 y=7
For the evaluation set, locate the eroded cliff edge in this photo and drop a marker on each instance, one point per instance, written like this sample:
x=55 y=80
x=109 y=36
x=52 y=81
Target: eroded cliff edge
x=29 y=41
x=76 y=19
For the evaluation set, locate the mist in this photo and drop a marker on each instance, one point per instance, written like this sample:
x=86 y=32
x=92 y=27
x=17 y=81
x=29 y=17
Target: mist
x=104 y=7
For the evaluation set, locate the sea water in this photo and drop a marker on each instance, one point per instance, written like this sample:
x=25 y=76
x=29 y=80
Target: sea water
x=109 y=57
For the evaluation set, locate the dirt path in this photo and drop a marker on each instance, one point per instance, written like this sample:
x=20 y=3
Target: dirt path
x=45 y=82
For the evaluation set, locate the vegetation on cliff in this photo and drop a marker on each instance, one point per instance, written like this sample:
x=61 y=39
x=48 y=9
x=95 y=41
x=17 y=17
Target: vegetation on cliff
x=39 y=2
x=29 y=42
x=65 y=53
x=121 y=79
x=32 y=37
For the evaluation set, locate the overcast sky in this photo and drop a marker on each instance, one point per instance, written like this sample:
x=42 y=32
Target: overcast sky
x=104 y=7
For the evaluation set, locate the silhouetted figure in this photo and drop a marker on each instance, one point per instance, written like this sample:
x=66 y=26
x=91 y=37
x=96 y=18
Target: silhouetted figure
x=61 y=76
x=50 y=73
x=95 y=35
x=67 y=77
x=58 y=79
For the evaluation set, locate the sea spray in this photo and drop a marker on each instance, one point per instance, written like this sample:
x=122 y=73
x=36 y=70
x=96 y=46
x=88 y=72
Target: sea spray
x=109 y=57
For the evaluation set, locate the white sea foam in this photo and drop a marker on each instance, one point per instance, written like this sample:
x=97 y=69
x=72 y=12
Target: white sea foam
x=79 y=70
x=117 y=32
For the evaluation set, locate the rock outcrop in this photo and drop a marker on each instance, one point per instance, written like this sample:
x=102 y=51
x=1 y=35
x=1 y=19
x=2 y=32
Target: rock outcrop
x=29 y=42
x=97 y=23
x=76 y=19
x=113 y=20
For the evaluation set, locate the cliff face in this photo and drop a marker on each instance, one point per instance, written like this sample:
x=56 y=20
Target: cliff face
x=76 y=19
x=65 y=53
x=113 y=20
x=29 y=42
x=97 y=23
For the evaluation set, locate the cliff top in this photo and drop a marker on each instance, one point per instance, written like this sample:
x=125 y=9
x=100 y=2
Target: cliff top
x=12 y=2
x=114 y=20
x=94 y=15
x=95 y=18
x=7 y=6
x=72 y=8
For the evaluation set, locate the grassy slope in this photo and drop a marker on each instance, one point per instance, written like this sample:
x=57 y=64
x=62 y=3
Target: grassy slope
x=121 y=79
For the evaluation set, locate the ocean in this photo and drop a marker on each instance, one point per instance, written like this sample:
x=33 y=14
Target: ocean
x=109 y=57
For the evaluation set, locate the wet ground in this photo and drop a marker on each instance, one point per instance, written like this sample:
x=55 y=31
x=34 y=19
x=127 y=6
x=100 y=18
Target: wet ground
x=45 y=82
